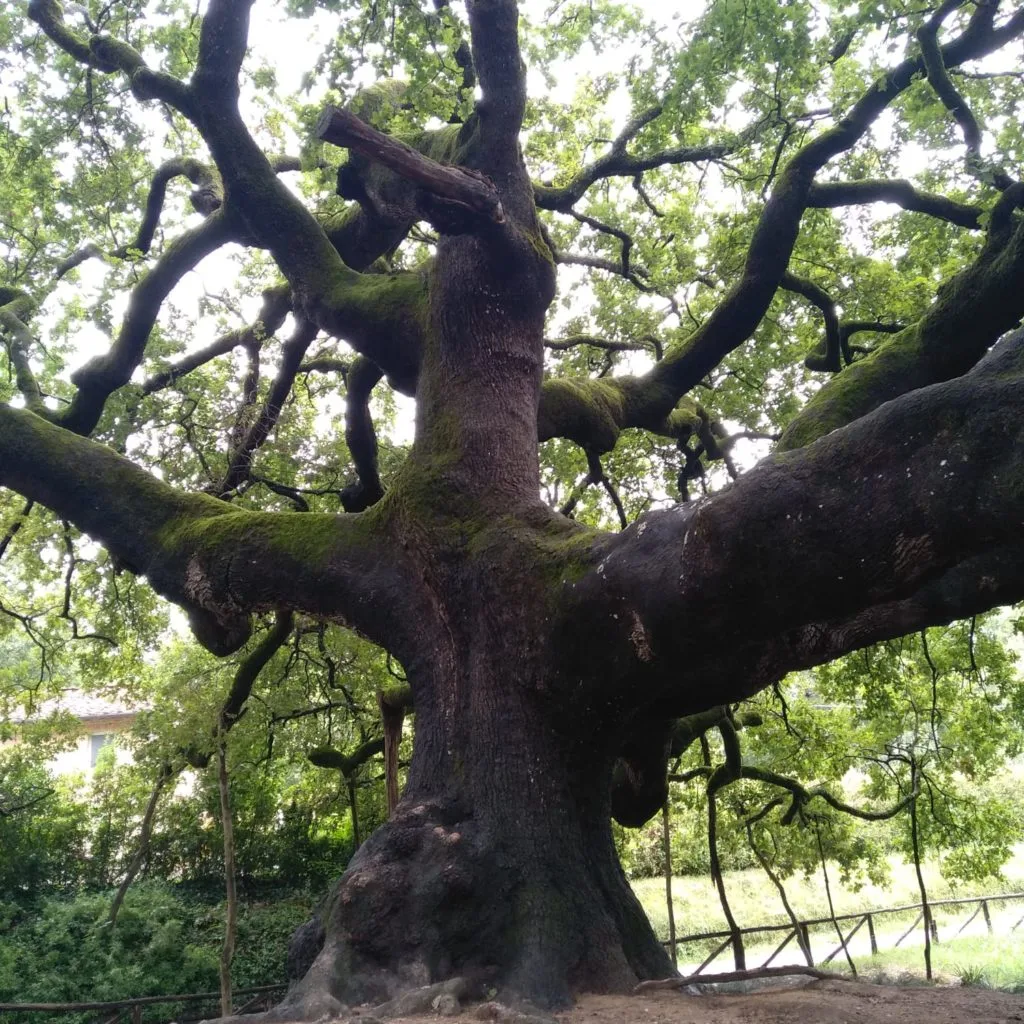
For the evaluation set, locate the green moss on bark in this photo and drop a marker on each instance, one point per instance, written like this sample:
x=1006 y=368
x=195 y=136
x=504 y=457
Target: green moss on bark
x=375 y=302
x=589 y=412
x=857 y=390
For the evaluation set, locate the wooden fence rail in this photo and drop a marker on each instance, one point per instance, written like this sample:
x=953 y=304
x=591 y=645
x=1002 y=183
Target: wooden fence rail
x=135 y=1006
x=861 y=918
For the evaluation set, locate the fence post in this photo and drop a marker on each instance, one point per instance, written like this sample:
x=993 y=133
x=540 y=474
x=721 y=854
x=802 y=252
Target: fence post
x=666 y=838
x=806 y=933
x=871 y=935
x=136 y=1015
x=988 y=917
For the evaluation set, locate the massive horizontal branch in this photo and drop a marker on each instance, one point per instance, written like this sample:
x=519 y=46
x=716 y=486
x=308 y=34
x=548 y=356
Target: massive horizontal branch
x=879 y=511
x=970 y=588
x=217 y=562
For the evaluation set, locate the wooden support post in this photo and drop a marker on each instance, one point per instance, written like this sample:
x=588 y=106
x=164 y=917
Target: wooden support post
x=718 y=949
x=988 y=916
x=971 y=918
x=666 y=839
x=392 y=715
x=871 y=935
x=785 y=942
x=806 y=933
x=844 y=942
x=917 y=921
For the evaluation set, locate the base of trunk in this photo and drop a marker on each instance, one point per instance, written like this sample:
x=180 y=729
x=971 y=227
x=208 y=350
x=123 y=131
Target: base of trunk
x=436 y=894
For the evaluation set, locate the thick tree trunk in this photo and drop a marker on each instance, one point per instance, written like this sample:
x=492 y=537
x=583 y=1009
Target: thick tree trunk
x=498 y=862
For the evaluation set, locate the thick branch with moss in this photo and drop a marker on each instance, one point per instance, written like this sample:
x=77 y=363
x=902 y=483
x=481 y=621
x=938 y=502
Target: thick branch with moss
x=109 y=55
x=464 y=188
x=739 y=313
x=101 y=376
x=832 y=194
x=913 y=491
x=969 y=314
x=217 y=562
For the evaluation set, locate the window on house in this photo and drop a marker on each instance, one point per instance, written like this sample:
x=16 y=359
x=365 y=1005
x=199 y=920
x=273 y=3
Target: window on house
x=97 y=741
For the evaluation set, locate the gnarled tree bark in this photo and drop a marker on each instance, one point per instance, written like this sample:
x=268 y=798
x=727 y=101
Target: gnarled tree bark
x=544 y=657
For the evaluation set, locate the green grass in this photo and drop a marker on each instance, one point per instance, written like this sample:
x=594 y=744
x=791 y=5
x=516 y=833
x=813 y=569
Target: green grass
x=990 y=962
x=754 y=900
x=995 y=961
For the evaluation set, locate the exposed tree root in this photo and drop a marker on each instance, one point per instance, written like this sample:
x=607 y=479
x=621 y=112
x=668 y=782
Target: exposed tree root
x=447 y=999
x=727 y=976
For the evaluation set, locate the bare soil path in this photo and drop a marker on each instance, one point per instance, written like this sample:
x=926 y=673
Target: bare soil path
x=821 y=1002
x=817 y=1002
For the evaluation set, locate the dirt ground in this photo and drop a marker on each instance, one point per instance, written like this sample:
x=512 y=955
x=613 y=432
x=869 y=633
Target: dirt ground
x=818 y=1002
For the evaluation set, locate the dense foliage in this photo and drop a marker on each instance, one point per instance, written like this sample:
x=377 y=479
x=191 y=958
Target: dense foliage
x=166 y=942
x=756 y=222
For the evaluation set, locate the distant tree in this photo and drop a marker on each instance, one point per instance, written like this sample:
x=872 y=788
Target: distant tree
x=696 y=245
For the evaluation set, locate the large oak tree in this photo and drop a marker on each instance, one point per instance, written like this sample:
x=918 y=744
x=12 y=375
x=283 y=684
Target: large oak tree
x=549 y=661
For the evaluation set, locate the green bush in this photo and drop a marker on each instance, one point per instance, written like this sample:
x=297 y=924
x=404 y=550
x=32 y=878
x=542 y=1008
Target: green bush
x=42 y=847
x=164 y=942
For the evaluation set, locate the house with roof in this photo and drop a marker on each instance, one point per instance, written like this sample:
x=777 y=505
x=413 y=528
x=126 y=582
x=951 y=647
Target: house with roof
x=101 y=719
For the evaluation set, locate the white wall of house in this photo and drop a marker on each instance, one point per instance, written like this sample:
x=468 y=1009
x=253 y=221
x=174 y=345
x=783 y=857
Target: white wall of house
x=97 y=733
